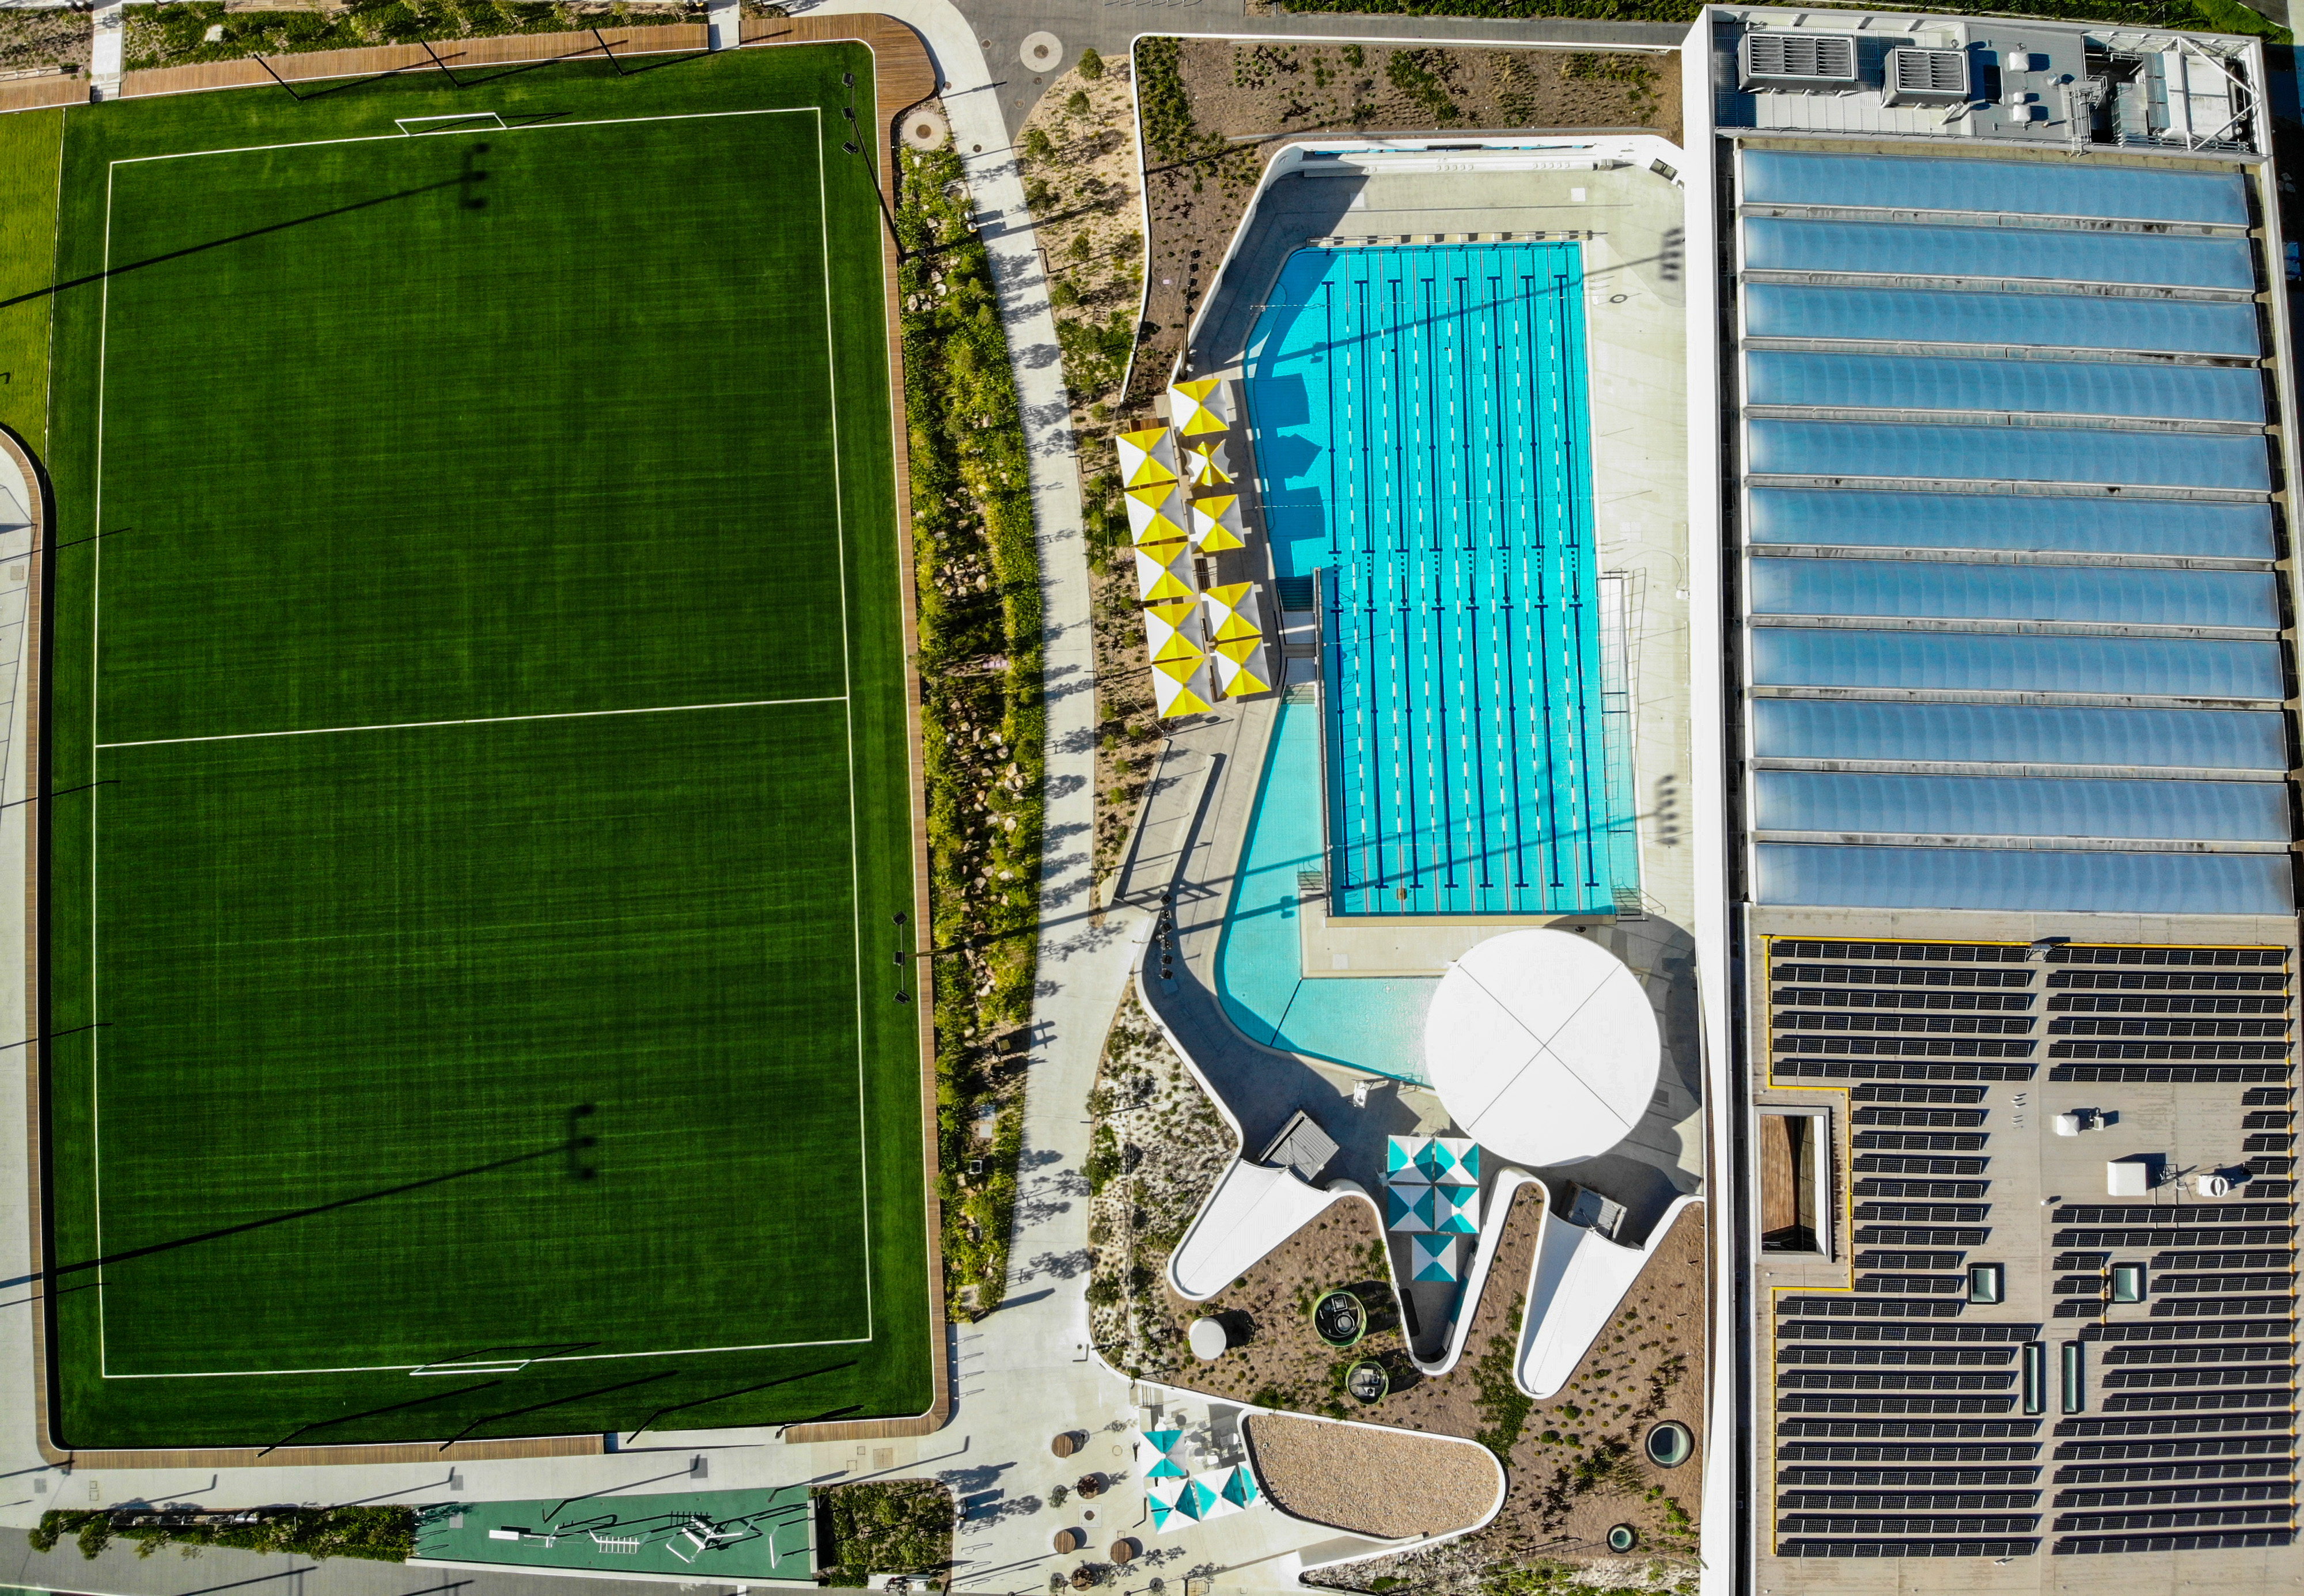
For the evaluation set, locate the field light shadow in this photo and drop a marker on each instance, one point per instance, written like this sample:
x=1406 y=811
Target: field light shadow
x=557 y=1150
x=237 y=238
x=741 y=1391
x=621 y=1385
x=462 y=1390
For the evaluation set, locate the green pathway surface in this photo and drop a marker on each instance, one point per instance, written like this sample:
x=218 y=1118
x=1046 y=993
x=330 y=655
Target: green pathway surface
x=705 y=1535
x=476 y=959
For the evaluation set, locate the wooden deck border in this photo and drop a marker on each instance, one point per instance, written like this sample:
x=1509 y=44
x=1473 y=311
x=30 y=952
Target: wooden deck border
x=902 y=77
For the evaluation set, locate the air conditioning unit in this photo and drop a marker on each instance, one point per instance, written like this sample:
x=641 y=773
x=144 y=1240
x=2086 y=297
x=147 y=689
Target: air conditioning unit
x=1803 y=62
x=1927 y=76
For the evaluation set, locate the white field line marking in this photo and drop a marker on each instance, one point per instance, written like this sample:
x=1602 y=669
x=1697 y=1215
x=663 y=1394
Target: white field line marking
x=847 y=685
x=537 y=127
x=566 y=715
x=96 y=812
x=832 y=377
x=583 y=1357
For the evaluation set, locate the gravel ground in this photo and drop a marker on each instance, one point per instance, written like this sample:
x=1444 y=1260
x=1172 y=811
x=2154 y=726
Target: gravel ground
x=1390 y=1484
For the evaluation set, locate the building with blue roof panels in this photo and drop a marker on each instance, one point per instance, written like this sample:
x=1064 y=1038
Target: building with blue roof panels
x=2004 y=797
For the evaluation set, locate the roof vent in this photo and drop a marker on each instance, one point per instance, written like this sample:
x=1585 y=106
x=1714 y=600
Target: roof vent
x=1803 y=63
x=1927 y=76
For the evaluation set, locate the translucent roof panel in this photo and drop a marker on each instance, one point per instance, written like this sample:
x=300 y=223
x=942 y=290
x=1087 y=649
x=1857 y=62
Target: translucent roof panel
x=1945 y=383
x=2015 y=592
x=2050 y=321
x=2043 y=879
x=2013 y=453
x=1974 y=662
x=1785 y=246
x=2024 y=188
x=2013 y=733
x=2096 y=525
x=2023 y=807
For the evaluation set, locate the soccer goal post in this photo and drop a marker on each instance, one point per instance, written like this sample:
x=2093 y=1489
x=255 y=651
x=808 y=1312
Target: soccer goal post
x=469 y=122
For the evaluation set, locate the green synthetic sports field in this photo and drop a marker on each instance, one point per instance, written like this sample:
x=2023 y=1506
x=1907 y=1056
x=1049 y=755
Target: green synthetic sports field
x=472 y=981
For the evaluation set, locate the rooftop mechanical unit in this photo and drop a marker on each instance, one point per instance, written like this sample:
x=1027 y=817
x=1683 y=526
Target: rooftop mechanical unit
x=1801 y=62
x=1917 y=76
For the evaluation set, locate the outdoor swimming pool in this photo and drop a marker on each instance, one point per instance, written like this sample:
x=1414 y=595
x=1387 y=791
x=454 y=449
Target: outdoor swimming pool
x=1371 y=1023
x=1421 y=435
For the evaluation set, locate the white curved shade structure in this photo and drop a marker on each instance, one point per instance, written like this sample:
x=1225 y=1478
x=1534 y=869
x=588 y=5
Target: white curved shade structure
x=1542 y=1046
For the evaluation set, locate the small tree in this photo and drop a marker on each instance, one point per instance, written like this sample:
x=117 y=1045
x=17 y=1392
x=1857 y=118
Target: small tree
x=1038 y=145
x=1091 y=65
x=1077 y=104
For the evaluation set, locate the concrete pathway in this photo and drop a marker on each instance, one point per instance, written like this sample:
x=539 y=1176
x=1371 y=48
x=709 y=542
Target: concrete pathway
x=107 y=51
x=725 y=18
x=1026 y=1370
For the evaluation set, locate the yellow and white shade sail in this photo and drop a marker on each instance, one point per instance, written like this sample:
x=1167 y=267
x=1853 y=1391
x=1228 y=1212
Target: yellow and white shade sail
x=1242 y=668
x=1233 y=612
x=1180 y=687
x=1173 y=631
x=1146 y=457
x=1207 y=464
x=1163 y=572
x=1217 y=525
x=1199 y=407
x=1155 y=512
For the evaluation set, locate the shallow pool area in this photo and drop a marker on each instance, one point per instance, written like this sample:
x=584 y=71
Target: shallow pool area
x=1375 y=1024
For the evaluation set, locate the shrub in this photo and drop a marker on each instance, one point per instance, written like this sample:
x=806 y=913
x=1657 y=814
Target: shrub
x=883 y=1526
x=1091 y=65
x=982 y=719
x=381 y=1534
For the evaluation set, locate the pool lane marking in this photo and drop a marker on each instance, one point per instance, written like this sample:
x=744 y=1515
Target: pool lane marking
x=569 y=714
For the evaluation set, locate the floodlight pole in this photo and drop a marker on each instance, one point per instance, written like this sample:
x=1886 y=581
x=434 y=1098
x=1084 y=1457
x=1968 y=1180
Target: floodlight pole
x=610 y=54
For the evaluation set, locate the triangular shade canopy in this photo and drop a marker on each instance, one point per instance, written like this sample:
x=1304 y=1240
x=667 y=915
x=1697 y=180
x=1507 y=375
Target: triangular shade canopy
x=1180 y=687
x=1432 y=1258
x=1207 y=464
x=1163 y=572
x=1202 y=406
x=1408 y=1208
x=1242 y=668
x=1162 y=1445
x=1214 y=1494
x=1217 y=525
x=1147 y=456
x=1154 y=512
x=1455 y=1209
x=1439 y=1161
x=1233 y=612
x=1239 y=1488
x=1172 y=632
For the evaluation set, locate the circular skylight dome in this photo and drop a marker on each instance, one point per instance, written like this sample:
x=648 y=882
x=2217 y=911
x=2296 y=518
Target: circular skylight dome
x=1542 y=1046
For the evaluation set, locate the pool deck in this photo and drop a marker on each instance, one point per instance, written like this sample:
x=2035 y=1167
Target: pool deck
x=1636 y=335
x=1193 y=832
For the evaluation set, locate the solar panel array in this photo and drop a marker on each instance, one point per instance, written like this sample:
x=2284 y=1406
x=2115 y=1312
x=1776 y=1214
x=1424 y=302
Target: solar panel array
x=2013 y=615
x=1911 y=1422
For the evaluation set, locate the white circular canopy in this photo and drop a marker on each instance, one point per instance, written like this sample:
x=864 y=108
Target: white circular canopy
x=1542 y=1046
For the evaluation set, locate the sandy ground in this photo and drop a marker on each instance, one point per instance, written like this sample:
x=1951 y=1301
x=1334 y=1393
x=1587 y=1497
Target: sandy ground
x=1147 y=1100
x=1261 y=94
x=30 y=40
x=1083 y=193
x=1391 y=1485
